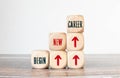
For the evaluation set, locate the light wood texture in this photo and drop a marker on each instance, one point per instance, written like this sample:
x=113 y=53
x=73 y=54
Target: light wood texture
x=75 y=41
x=75 y=24
x=75 y=59
x=40 y=59
x=58 y=59
x=96 y=66
x=57 y=41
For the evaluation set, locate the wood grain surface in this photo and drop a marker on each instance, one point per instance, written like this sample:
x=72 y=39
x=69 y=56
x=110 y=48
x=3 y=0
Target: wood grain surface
x=96 y=66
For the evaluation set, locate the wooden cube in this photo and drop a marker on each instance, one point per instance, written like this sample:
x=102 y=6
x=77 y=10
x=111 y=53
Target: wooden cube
x=57 y=41
x=40 y=59
x=75 y=23
x=75 y=41
x=75 y=59
x=58 y=59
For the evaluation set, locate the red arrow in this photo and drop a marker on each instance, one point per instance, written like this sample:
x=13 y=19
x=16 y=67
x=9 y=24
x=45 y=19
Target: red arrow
x=76 y=57
x=58 y=58
x=75 y=39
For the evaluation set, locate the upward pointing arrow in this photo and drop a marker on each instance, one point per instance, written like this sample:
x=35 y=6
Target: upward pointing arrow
x=58 y=59
x=75 y=39
x=76 y=57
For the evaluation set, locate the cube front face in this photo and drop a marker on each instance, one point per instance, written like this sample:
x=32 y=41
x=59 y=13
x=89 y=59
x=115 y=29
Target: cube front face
x=75 y=41
x=57 y=41
x=40 y=59
x=58 y=59
x=75 y=59
x=75 y=23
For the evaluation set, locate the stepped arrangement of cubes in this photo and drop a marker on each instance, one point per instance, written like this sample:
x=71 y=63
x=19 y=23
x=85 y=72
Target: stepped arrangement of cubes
x=66 y=50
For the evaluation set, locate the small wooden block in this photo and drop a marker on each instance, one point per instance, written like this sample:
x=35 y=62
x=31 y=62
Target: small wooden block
x=75 y=41
x=57 y=41
x=75 y=59
x=40 y=59
x=58 y=59
x=75 y=23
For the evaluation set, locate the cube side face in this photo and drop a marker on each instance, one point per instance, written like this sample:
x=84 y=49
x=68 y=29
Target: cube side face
x=58 y=59
x=75 y=41
x=57 y=41
x=40 y=59
x=75 y=59
x=75 y=24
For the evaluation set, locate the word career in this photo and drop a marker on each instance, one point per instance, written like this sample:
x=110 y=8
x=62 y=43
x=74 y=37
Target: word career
x=74 y=24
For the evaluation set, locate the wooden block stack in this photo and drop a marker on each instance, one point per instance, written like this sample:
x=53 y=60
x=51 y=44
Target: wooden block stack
x=75 y=41
x=59 y=43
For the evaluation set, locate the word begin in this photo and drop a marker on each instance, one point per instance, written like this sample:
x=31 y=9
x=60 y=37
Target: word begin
x=39 y=60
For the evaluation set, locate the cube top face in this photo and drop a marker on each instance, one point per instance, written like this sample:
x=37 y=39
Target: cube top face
x=40 y=59
x=57 y=41
x=75 y=23
x=75 y=41
x=58 y=59
x=75 y=59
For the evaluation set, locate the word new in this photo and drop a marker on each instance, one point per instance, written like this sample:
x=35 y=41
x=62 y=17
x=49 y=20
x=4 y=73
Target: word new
x=39 y=60
x=57 y=42
x=74 y=24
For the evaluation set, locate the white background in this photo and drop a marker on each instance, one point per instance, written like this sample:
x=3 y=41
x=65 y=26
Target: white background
x=25 y=24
